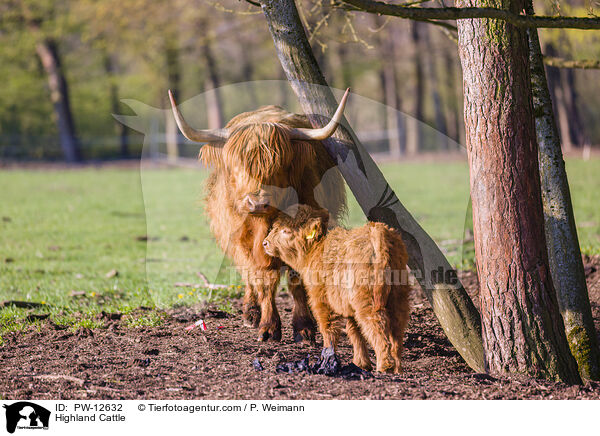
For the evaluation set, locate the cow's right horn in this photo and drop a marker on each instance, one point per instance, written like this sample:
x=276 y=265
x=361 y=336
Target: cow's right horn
x=218 y=135
x=326 y=131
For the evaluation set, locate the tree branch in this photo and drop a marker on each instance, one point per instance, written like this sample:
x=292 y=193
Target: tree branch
x=378 y=7
x=584 y=64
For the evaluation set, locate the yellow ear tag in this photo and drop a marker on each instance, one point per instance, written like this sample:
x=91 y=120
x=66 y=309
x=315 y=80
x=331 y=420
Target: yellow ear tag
x=312 y=234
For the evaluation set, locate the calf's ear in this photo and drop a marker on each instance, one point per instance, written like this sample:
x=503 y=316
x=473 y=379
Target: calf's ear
x=317 y=226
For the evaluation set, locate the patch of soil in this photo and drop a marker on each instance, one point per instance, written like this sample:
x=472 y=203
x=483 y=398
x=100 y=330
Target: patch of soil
x=225 y=361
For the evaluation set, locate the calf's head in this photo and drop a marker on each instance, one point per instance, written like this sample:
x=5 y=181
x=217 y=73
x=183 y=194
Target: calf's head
x=264 y=161
x=293 y=235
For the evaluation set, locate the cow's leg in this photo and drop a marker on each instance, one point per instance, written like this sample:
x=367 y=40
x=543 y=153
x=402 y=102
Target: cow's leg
x=251 y=309
x=359 y=345
x=302 y=320
x=266 y=286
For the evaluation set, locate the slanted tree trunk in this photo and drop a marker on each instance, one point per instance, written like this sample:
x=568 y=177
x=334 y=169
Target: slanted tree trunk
x=174 y=81
x=523 y=331
x=413 y=122
x=564 y=255
x=47 y=51
x=451 y=304
x=113 y=90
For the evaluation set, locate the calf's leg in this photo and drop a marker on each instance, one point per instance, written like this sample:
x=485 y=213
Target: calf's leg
x=325 y=320
x=375 y=324
x=359 y=345
x=398 y=310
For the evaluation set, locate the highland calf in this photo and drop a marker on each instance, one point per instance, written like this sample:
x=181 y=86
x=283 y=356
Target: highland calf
x=357 y=274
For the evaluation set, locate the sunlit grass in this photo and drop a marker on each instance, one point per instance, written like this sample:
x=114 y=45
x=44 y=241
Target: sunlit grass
x=62 y=232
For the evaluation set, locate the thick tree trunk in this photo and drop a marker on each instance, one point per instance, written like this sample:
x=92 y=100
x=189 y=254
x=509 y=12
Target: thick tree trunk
x=113 y=90
x=59 y=94
x=564 y=255
x=523 y=331
x=173 y=80
x=451 y=304
x=413 y=123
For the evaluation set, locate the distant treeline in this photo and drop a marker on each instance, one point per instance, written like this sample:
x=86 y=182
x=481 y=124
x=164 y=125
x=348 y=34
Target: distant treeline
x=67 y=64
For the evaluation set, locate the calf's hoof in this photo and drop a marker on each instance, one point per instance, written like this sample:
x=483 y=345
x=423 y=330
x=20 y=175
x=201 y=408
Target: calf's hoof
x=269 y=331
x=329 y=363
x=251 y=316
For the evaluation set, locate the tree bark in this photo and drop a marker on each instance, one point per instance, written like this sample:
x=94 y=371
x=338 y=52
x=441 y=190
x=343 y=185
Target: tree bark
x=564 y=254
x=523 y=331
x=413 y=124
x=47 y=51
x=451 y=304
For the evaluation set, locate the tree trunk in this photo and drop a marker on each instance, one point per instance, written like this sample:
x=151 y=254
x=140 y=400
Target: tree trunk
x=523 y=331
x=564 y=254
x=413 y=123
x=113 y=90
x=558 y=96
x=59 y=93
x=174 y=81
x=576 y=128
x=390 y=90
x=434 y=84
x=454 y=107
x=212 y=94
x=451 y=304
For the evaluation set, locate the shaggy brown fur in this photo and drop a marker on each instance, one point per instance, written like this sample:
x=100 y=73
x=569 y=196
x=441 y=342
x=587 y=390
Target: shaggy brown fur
x=357 y=274
x=259 y=163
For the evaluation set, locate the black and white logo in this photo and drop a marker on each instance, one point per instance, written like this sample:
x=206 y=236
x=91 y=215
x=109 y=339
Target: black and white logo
x=26 y=415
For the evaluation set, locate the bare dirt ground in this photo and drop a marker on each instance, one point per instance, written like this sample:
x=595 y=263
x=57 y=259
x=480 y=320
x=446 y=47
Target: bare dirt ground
x=169 y=362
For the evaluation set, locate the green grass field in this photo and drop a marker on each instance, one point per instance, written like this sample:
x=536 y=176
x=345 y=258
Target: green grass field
x=62 y=232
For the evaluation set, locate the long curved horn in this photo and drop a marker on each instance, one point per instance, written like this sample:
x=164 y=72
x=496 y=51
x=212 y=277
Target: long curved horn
x=218 y=135
x=326 y=131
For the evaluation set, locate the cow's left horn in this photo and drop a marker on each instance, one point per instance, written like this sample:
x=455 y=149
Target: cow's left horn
x=323 y=132
x=218 y=135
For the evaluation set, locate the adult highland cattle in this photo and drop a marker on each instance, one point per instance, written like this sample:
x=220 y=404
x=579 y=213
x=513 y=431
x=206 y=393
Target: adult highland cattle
x=264 y=161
